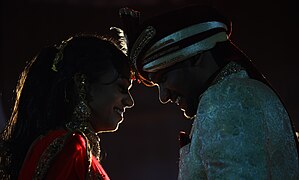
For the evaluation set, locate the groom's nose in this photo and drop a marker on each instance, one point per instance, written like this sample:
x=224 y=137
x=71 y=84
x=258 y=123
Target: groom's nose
x=164 y=94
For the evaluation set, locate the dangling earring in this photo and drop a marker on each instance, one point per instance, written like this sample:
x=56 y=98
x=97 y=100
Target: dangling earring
x=80 y=121
x=81 y=111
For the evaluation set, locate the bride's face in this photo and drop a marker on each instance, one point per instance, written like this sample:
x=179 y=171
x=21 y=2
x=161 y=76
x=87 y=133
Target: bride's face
x=108 y=101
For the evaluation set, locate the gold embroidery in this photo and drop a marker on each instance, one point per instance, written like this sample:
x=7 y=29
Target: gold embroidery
x=5 y=162
x=48 y=155
x=229 y=69
x=56 y=146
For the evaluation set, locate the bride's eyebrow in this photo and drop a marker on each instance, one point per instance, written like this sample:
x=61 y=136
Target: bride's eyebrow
x=124 y=81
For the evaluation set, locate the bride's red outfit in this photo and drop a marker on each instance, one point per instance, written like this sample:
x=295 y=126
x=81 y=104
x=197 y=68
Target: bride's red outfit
x=61 y=155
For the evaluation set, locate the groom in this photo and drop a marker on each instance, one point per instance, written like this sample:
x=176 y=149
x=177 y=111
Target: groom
x=241 y=128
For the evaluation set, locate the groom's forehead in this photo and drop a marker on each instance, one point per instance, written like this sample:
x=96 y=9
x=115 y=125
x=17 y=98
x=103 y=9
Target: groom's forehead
x=157 y=75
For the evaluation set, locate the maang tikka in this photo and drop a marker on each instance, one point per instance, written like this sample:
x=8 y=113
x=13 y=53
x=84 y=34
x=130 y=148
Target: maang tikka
x=81 y=111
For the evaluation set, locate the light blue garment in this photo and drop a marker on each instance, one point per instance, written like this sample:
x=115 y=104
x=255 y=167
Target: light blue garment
x=241 y=131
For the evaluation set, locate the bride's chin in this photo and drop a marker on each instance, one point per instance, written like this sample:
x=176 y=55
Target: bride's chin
x=112 y=129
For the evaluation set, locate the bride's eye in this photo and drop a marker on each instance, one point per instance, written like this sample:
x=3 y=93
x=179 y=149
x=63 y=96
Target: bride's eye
x=122 y=89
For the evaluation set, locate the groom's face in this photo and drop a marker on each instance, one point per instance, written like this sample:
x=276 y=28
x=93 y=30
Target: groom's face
x=177 y=86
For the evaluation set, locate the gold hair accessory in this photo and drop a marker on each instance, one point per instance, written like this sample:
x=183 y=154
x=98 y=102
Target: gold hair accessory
x=142 y=41
x=59 y=54
x=123 y=42
x=129 y=12
x=144 y=38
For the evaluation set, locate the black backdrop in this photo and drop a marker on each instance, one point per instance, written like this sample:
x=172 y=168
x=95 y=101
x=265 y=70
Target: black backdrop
x=146 y=147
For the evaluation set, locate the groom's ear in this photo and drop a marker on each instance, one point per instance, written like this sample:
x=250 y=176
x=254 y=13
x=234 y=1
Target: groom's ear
x=199 y=58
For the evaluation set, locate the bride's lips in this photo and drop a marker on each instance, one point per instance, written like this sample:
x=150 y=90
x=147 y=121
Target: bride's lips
x=119 y=110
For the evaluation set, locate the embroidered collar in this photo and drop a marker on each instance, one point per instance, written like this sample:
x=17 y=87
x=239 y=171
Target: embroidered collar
x=229 y=69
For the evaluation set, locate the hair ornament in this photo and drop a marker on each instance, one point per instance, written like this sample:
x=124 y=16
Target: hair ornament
x=59 y=54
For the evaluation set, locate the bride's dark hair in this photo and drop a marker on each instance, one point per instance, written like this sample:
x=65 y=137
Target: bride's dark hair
x=45 y=91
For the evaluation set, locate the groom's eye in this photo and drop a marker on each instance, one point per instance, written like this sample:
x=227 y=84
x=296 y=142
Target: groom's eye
x=162 y=78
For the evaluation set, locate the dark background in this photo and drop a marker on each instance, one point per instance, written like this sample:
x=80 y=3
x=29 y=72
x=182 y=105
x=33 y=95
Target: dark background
x=146 y=147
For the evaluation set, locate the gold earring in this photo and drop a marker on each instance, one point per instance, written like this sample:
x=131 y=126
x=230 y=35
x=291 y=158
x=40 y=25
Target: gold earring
x=81 y=111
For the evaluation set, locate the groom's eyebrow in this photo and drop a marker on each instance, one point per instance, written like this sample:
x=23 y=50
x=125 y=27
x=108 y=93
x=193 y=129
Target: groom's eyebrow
x=154 y=76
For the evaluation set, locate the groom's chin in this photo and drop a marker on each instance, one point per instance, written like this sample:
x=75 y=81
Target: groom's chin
x=189 y=115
